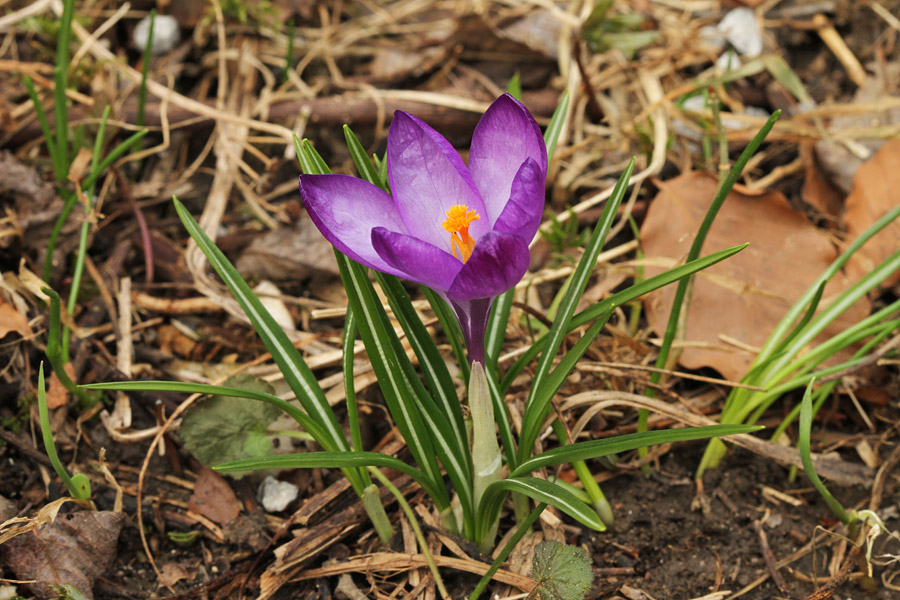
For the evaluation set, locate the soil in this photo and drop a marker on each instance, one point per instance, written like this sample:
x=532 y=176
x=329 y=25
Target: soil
x=752 y=531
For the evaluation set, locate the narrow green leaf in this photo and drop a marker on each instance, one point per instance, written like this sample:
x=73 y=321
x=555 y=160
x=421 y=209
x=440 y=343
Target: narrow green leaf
x=42 y=119
x=451 y=328
x=623 y=443
x=112 y=157
x=534 y=413
x=432 y=364
x=377 y=338
x=806 y=415
x=554 y=128
x=514 y=87
x=296 y=373
x=540 y=490
x=558 y=375
x=362 y=161
x=330 y=460
x=296 y=413
x=605 y=307
x=498 y=319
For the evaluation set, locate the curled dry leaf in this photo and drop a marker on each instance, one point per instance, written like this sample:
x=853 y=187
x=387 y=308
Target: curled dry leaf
x=213 y=498
x=74 y=549
x=57 y=394
x=11 y=320
x=874 y=194
x=744 y=297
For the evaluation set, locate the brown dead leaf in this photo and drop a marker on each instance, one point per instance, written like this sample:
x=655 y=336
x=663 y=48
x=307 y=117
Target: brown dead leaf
x=744 y=297
x=173 y=572
x=294 y=252
x=57 y=394
x=74 y=549
x=818 y=191
x=13 y=320
x=875 y=192
x=213 y=498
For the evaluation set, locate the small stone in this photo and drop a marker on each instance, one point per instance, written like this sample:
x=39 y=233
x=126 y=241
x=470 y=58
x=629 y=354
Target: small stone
x=275 y=495
x=166 y=34
x=741 y=29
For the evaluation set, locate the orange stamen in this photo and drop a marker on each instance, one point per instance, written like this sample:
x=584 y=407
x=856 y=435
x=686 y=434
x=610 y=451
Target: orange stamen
x=459 y=217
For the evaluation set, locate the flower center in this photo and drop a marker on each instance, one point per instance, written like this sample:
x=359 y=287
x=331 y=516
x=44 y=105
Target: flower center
x=459 y=217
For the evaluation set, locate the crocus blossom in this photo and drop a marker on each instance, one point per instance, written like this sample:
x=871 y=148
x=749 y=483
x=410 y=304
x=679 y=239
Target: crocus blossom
x=461 y=230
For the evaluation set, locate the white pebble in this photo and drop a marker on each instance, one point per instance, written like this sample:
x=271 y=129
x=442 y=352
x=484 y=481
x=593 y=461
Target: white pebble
x=275 y=495
x=165 y=34
x=741 y=29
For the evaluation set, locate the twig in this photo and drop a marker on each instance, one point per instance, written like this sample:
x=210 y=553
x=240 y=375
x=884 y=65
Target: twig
x=125 y=189
x=771 y=563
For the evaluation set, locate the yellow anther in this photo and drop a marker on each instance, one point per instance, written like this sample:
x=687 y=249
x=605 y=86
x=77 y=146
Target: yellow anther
x=459 y=217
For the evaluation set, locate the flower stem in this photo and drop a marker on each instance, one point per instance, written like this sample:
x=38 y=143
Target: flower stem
x=486 y=458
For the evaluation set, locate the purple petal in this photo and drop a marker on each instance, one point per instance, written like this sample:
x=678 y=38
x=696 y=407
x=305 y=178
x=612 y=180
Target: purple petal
x=522 y=214
x=506 y=137
x=417 y=260
x=497 y=264
x=427 y=177
x=346 y=209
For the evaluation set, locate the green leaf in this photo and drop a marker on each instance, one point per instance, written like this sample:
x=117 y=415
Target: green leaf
x=396 y=376
x=328 y=460
x=296 y=372
x=541 y=490
x=604 y=308
x=363 y=163
x=562 y=572
x=222 y=428
x=296 y=413
x=806 y=415
x=624 y=443
x=554 y=128
x=537 y=407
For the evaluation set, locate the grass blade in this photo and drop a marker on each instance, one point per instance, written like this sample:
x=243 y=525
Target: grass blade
x=296 y=373
x=534 y=416
x=605 y=307
x=623 y=443
x=431 y=363
x=806 y=414
x=328 y=460
x=296 y=413
x=542 y=491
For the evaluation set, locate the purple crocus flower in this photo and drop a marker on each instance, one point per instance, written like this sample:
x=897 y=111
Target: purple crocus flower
x=462 y=231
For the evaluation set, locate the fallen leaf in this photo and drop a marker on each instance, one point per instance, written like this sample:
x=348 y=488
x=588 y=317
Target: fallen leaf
x=818 y=191
x=744 y=297
x=12 y=320
x=74 y=549
x=294 y=252
x=213 y=498
x=57 y=394
x=173 y=572
x=874 y=194
x=218 y=429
